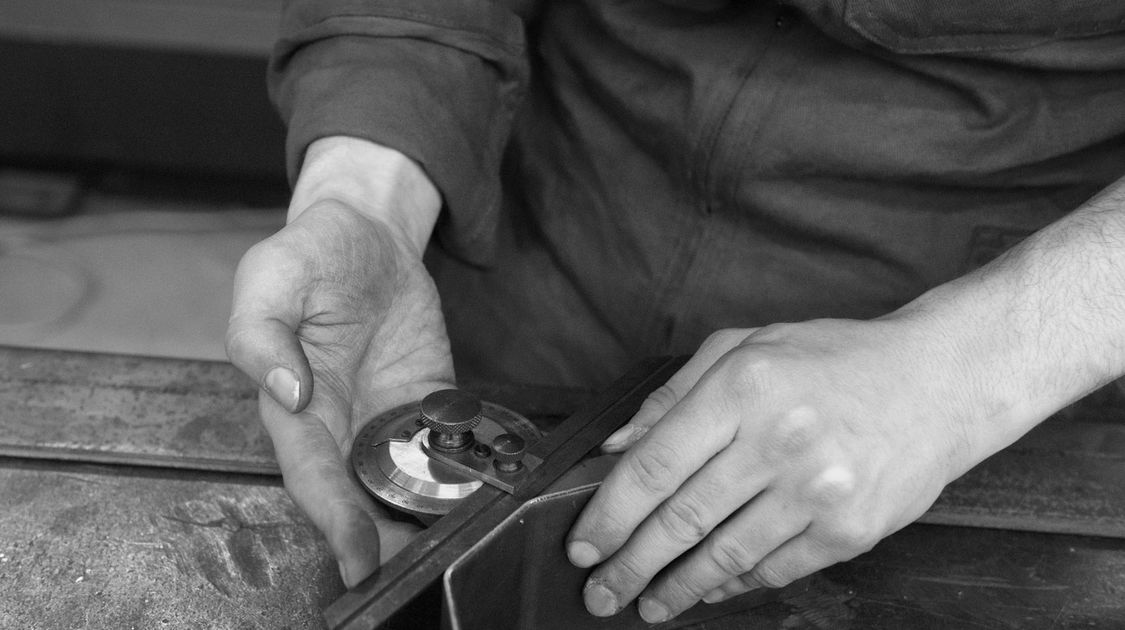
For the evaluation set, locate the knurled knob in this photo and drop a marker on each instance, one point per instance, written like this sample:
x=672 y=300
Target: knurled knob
x=508 y=450
x=450 y=413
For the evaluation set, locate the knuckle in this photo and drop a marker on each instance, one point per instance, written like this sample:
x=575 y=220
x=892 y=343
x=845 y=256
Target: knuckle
x=683 y=520
x=770 y=575
x=747 y=372
x=724 y=338
x=749 y=366
x=834 y=486
x=274 y=257
x=257 y=255
x=628 y=569
x=851 y=536
x=731 y=555
x=743 y=583
x=651 y=467
x=773 y=333
x=679 y=586
x=661 y=399
x=794 y=432
x=236 y=345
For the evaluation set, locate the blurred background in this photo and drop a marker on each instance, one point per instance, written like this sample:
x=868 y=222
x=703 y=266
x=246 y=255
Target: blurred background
x=139 y=158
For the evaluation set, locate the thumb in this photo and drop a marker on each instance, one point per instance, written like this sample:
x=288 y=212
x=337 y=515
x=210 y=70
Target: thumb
x=261 y=337
x=662 y=399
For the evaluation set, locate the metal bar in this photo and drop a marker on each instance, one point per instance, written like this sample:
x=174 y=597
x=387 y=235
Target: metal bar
x=246 y=27
x=587 y=429
x=116 y=409
x=1065 y=477
x=171 y=413
x=421 y=563
x=153 y=460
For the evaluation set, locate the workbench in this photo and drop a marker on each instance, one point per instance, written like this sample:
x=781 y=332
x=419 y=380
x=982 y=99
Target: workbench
x=142 y=493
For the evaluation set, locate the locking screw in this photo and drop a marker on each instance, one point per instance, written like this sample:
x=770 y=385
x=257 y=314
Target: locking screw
x=508 y=448
x=451 y=415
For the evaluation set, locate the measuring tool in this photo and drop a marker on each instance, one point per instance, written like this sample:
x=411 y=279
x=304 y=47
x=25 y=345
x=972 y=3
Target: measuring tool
x=473 y=516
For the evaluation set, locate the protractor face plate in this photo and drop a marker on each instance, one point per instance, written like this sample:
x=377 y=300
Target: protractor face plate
x=389 y=461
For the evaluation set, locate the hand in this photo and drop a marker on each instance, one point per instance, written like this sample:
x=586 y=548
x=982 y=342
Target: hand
x=771 y=454
x=337 y=320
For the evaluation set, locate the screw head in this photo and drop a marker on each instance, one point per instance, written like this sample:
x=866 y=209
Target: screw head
x=451 y=411
x=508 y=449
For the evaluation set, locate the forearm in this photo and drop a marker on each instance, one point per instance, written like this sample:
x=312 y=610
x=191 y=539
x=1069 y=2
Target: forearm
x=379 y=182
x=1041 y=326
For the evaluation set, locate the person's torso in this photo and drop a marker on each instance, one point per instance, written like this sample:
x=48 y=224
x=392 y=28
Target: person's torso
x=701 y=164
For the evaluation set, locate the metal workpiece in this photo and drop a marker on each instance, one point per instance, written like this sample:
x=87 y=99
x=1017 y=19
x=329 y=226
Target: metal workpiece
x=518 y=576
x=421 y=458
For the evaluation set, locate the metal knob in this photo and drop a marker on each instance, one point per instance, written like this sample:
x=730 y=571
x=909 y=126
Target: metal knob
x=451 y=415
x=508 y=449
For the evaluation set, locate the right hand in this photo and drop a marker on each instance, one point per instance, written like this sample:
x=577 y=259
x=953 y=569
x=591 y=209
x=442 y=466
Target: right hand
x=337 y=320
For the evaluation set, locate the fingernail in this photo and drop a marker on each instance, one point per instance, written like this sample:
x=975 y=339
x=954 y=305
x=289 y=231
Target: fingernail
x=343 y=574
x=617 y=439
x=624 y=436
x=282 y=383
x=600 y=601
x=652 y=610
x=582 y=554
x=715 y=596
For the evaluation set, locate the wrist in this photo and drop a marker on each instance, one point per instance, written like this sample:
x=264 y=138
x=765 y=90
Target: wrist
x=380 y=183
x=978 y=372
x=1036 y=329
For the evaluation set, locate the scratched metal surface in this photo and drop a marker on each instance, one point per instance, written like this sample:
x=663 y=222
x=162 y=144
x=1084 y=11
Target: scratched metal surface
x=100 y=407
x=1067 y=476
x=951 y=577
x=166 y=412
x=930 y=577
x=117 y=547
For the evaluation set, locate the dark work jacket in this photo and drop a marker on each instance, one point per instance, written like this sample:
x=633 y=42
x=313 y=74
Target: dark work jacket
x=623 y=178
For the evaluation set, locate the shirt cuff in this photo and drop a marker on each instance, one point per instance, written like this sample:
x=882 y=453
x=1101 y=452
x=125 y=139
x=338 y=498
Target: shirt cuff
x=441 y=87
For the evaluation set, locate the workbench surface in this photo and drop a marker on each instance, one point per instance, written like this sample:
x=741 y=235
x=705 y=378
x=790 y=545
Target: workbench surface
x=142 y=493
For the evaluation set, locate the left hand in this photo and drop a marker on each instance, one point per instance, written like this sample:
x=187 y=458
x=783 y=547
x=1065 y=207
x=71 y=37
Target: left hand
x=337 y=319
x=345 y=307
x=774 y=453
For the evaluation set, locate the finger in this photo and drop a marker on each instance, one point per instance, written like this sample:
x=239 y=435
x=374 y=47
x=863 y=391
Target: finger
x=731 y=588
x=317 y=478
x=261 y=335
x=661 y=401
x=800 y=557
x=675 y=526
x=647 y=474
x=816 y=548
x=733 y=549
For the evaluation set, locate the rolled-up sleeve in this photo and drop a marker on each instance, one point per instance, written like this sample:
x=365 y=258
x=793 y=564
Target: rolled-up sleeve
x=438 y=80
